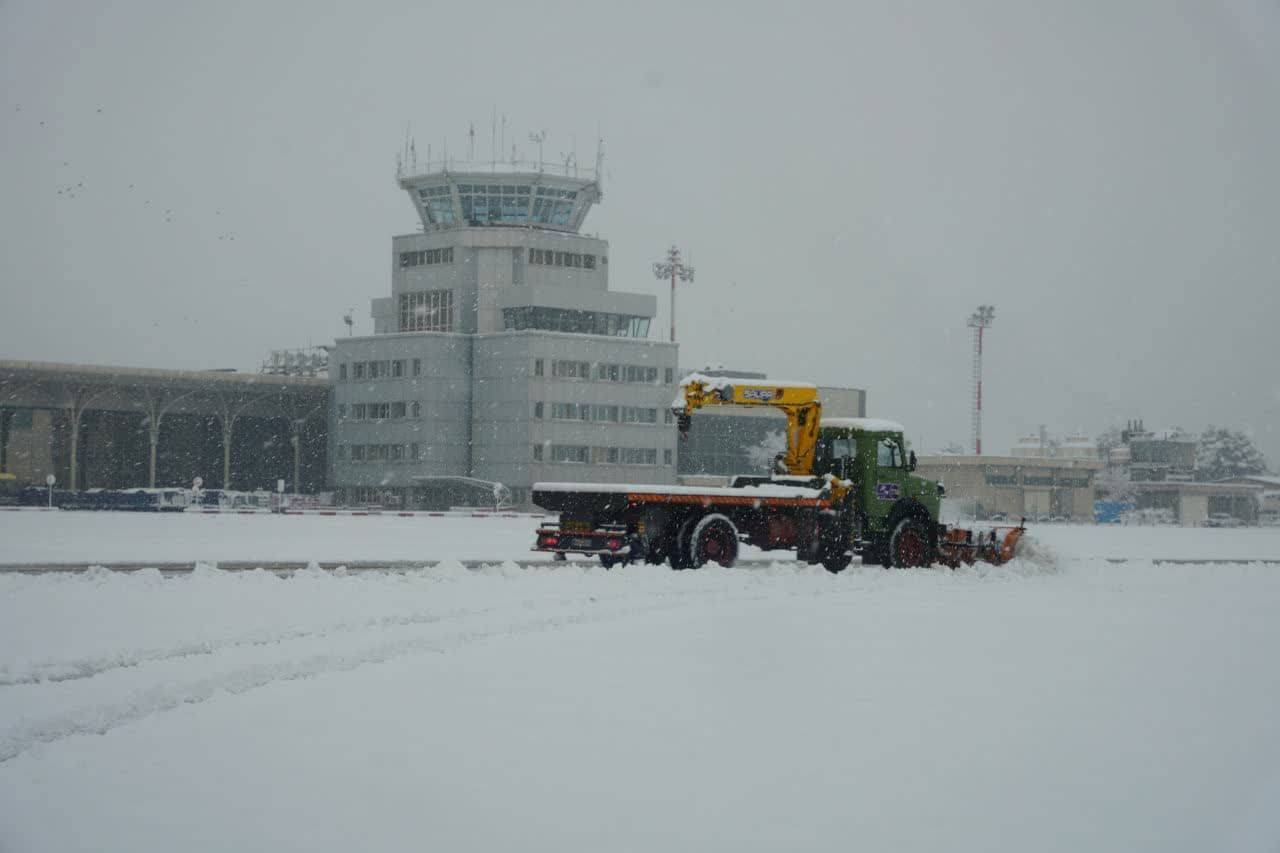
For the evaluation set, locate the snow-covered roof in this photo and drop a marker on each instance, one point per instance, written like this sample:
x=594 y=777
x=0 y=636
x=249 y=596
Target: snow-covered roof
x=864 y=424
x=716 y=383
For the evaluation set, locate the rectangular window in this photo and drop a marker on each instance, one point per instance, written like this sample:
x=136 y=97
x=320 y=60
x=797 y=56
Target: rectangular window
x=537 y=367
x=416 y=410
x=342 y=371
x=397 y=368
x=574 y=453
x=589 y=261
x=417 y=367
x=342 y=411
x=397 y=410
x=397 y=453
x=357 y=453
x=667 y=417
x=358 y=369
x=669 y=376
x=416 y=456
x=666 y=456
x=342 y=451
x=537 y=411
x=357 y=411
x=639 y=456
x=571 y=369
x=426 y=311
x=605 y=414
x=537 y=453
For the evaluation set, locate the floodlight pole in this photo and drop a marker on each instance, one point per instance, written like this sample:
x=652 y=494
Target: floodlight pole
x=673 y=268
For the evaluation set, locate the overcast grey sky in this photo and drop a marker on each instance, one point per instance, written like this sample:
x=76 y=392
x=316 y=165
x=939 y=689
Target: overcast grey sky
x=193 y=185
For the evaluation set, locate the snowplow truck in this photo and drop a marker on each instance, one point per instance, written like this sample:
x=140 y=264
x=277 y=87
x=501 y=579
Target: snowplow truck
x=844 y=487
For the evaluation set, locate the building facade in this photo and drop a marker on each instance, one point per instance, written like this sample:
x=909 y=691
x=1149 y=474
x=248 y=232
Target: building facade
x=501 y=355
x=1038 y=488
x=724 y=442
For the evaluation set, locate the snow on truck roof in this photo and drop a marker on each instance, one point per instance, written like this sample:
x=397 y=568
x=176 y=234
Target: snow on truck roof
x=763 y=490
x=864 y=424
x=715 y=383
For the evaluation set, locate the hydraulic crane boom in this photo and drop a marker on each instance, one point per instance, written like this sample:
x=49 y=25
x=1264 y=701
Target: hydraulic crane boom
x=797 y=400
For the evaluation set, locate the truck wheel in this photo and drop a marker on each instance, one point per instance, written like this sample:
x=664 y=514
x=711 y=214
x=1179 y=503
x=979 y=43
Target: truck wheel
x=713 y=540
x=910 y=545
x=680 y=558
x=836 y=556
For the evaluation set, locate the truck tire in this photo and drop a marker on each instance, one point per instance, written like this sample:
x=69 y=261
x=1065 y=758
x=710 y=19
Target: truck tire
x=679 y=544
x=714 y=539
x=835 y=555
x=910 y=545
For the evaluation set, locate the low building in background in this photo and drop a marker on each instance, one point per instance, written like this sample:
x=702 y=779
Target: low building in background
x=741 y=440
x=1037 y=488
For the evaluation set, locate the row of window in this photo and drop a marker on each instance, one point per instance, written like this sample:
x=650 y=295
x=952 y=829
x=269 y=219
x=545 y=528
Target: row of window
x=549 y=258
x=578 y=322
x=426 y=256
x=380 y=411
x=581 y=454
x=603 y=372
x=380 y=452
x=599 y=413
x=384 y=369
x=426 y=311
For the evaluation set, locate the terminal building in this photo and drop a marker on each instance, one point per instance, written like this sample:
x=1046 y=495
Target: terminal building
x=501 y=357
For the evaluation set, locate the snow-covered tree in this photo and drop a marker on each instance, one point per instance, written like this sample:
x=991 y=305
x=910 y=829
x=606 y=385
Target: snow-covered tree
x=1223 y=453
x=760 y=456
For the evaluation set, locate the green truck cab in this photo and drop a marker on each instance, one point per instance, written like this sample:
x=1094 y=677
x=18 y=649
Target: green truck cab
x=887 y=506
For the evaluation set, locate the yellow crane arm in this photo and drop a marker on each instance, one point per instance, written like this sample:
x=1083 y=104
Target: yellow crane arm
x=797 y=400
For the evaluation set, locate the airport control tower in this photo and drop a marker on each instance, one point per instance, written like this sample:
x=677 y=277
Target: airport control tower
x=502 y=335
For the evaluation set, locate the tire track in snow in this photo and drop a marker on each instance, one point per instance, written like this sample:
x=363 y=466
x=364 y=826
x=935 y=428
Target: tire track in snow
x=73 y=670
x=102 y=718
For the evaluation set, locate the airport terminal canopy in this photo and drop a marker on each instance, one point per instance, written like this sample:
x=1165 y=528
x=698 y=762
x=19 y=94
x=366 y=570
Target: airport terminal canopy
x=454 y=194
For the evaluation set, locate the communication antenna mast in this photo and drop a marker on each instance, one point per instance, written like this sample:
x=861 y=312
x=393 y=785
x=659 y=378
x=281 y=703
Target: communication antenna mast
x=978 y=321
x=471 y=135
x=538 y=138
x=673 y=268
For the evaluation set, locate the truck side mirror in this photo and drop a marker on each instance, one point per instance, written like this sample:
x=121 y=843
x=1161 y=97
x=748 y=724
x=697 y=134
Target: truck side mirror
x=911 y=461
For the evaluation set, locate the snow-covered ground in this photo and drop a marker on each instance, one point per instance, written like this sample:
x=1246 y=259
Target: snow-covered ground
x=1061 y=703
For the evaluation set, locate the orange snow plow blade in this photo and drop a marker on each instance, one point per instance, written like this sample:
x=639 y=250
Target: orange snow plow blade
x=997 y=545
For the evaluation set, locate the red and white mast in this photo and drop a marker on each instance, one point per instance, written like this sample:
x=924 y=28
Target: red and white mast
x=979 y=320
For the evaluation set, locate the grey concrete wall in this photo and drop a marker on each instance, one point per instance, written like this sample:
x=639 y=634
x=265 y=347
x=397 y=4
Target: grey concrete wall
x=443 y=389
x=507 y=390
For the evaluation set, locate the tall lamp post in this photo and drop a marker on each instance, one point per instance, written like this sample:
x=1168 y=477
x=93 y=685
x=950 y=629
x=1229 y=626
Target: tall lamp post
x=979 y=320
x=673 y=268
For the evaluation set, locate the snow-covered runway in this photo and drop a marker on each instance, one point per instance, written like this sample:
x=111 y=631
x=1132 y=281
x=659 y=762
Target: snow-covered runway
x=1063 y=704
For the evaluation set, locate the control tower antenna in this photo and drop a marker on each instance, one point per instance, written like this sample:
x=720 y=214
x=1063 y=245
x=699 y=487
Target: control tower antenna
x=538 y=138
x=471 y=136
x=493 y=139
x=978 y=321
x=673 y=268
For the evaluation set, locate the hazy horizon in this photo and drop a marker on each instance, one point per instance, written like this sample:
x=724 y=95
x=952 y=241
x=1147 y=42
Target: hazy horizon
x=194 y=187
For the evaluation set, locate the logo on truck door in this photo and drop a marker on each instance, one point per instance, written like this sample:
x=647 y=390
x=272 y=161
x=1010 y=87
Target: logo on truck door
x=887 y=491
x=764 y=394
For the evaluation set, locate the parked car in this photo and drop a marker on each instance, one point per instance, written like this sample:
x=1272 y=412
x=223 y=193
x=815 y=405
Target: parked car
x=1222 y=519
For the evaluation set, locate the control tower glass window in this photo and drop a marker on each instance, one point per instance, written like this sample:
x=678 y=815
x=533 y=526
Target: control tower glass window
x=438 y=202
